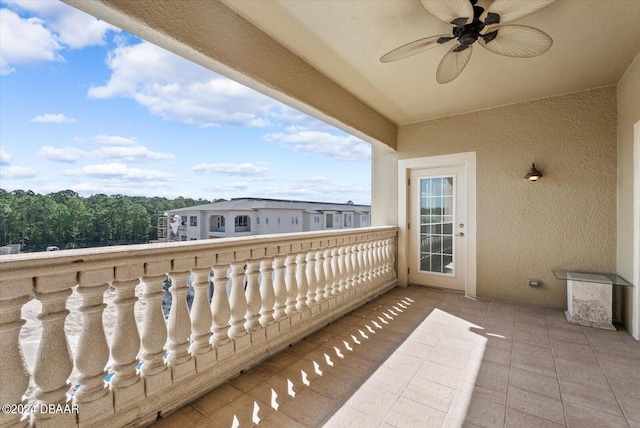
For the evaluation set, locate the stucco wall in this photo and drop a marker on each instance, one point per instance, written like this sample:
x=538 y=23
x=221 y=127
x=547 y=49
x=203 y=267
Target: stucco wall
x=384 y=186
x=628 y=91
x=568 y=220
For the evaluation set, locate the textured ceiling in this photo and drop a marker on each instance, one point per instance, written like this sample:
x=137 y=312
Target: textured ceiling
x=594 y=43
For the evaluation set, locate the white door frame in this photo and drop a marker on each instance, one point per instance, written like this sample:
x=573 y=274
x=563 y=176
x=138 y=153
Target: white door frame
x=468 y=160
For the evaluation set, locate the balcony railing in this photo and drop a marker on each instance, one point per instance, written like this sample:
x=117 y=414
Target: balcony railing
x=281 y=288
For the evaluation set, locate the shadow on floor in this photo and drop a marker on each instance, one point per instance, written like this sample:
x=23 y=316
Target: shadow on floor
x=424 y=357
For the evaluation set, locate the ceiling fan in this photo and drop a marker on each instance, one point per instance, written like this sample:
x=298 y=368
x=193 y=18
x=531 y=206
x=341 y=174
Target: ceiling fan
x=473 y=23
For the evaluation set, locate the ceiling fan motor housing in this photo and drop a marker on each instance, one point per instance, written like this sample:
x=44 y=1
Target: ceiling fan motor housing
x=468 y=34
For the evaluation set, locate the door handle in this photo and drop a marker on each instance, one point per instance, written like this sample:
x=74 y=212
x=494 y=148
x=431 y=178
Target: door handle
x=460 y=234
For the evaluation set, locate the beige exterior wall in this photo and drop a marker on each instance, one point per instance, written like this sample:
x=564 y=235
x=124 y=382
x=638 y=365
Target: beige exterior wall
x=384 y=186
x=568 y=220
x=628 y=90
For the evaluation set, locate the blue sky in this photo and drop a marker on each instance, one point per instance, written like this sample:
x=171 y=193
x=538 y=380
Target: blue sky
x=88 y=107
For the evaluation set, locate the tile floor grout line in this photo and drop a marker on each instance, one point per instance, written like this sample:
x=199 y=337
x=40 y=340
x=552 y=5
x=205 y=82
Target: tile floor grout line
x=555 y=366
x=513 y=338
x=624 y=415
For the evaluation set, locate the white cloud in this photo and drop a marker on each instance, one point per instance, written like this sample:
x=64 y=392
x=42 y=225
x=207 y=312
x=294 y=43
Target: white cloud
x=343 y=148
x=120 y=187
x=120 y=171
x=18 y=172
x=66 y=154
x=131 y=154
x=243 y=169
x=297 y=121
x=25 y=41
x=5 y=158
x=52 y=118
x=115 y=148
x=114 y=140
x=126 y=149
x=72 y=27
x=43 y=38
x=176 y=89
x=316 y=179
x=230 y=187
x=325 y=191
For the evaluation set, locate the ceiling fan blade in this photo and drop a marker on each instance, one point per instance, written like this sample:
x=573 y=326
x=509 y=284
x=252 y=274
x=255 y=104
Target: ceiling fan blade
x=453 y=12
x=517 y=41
x=504 y=11
x=453 y=63
x=415 y=47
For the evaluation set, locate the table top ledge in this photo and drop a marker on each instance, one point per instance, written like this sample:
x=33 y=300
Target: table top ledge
x=595 y=277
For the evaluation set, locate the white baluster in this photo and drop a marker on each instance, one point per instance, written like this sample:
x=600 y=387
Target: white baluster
x=392 y=257
x=370 y=265
x=238 y=304
x=366 y=264
x=14 y=373
x=328 y=274
x=335 y=270
x=321 y=280
x=279 y=288
x=221 y=311
x=375 y=271
x=53 y=363
x=291 y=285
x=254 y=302
x=201 y=319
x=386 y=255
x=342 y=272
x=92 y=354
x=381 y=258
x=376 y=259
x=179 y=328
x=268 y=296
x=355 y=260
x=312 y=281
x=126 y=384
x=154 y=335
x=348 y=269
x=303 y=285
x=362 y=266
x=267 y=292
x=253 y=296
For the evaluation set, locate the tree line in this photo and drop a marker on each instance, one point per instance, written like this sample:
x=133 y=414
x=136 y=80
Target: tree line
x=67 y=220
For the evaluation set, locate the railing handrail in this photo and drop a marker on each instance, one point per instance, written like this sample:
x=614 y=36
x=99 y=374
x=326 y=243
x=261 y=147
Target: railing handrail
x=66 y=261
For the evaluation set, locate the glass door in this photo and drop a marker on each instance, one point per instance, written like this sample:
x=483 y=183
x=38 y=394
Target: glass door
x=436 y=227
x=437 y=218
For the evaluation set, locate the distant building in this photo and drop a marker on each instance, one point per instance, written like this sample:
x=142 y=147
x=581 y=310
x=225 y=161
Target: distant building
x=257 y=216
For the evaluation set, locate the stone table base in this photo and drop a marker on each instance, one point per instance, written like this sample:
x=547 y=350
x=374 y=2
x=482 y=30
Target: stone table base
x=590 y=304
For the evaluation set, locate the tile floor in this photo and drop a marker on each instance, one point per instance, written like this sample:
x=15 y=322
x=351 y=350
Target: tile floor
x=419 y=357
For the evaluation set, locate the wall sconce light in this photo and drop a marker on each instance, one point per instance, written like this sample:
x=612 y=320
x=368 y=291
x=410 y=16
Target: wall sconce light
x=533 y=176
